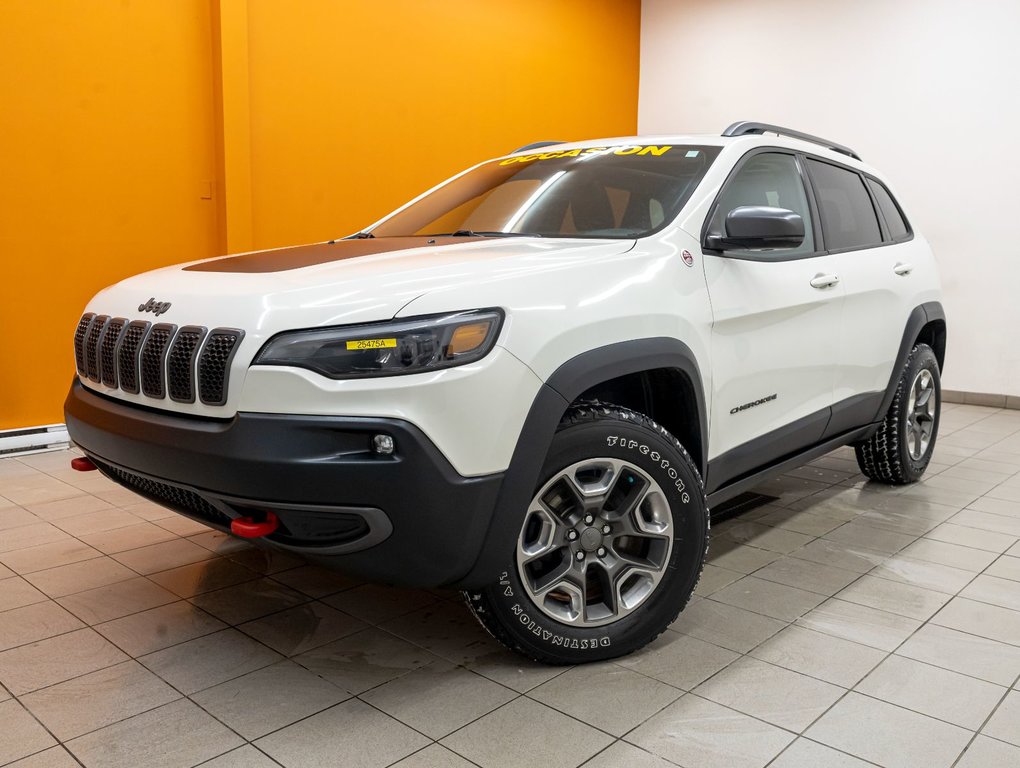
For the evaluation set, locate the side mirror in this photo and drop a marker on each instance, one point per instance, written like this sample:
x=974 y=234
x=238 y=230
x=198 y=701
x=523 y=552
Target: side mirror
x=759 y=226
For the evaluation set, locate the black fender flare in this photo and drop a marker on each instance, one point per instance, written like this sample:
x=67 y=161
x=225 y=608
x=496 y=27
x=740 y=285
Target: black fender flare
x=919 y=317
x=565 y=385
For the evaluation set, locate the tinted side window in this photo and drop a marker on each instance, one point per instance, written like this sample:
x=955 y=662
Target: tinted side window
x=770 y=179
x=848 y=217
x=891 y=211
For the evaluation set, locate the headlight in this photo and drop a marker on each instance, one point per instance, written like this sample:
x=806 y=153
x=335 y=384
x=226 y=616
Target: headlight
x=414 y=345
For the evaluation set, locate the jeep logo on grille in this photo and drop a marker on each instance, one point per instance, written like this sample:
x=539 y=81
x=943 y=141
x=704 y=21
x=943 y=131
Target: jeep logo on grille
x=156 y=307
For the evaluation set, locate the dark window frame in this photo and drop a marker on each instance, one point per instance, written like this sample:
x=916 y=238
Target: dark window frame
x=777 y=255
x=868 y=181
x=820 y=249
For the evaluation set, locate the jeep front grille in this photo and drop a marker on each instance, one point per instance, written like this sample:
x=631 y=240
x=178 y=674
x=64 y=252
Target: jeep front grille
x=156 y=360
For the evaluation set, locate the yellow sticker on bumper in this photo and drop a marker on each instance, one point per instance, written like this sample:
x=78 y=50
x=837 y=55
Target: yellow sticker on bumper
x=371 y=344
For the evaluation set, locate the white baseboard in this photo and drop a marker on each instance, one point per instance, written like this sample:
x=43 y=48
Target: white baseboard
x=18 y=442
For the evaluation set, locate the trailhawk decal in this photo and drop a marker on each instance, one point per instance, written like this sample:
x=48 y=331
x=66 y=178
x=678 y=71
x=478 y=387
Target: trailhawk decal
x=762 y=401
x=547 y=634
x=655 y=456
x=558 y=153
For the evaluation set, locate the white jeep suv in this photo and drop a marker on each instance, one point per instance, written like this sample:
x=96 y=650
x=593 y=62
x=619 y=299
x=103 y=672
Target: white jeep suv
x=532 y=381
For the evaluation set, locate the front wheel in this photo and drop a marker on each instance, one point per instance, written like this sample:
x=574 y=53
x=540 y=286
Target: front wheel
x=611 y=546
x=899 y=452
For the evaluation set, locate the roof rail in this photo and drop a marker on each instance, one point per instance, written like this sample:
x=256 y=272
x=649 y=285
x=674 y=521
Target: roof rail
x=743 y=128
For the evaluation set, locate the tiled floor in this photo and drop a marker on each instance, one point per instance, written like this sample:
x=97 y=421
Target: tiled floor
x=847 y=624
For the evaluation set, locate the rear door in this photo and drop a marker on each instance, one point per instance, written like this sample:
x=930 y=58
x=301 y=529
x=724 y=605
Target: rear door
x=775 y=330
x=871 y=245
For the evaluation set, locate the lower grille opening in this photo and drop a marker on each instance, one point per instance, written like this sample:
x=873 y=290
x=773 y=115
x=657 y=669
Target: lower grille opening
x=178 y=499
x=312 y=528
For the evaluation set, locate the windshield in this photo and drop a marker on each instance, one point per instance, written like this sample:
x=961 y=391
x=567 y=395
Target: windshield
x=603 y=192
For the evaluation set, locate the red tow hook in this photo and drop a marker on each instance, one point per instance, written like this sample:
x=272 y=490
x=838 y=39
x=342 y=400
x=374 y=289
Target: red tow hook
x=83 y=464
x=247 y=528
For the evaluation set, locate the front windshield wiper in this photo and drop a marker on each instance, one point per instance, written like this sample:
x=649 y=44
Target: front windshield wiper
x=483 y=233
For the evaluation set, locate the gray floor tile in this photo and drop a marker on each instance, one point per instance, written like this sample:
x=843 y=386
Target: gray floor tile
x=248 y=600
x=680 y=660
x=974 y=538
x=314 y=581
x=269 y=699
x=923 y=574
x=446 y=629
x=771 y=693
x=513 y=670
x=204 y=576
x=889 y=735
x=96 y=606
x=364 y=660
x=620 y=754
x=525 y=733
x=302 y=628
x=30 y=536
x=1004 y=593
x=139 y=534
x=1004 y=725
x=713 y=578
x=434 y=756
x=982 y=619
x=964 y=652
x=163 y=556
x=827 y=658
x=176 y=735
x=857 y=534
x=15 y=592
x=30 y=667
x=989 y=753
x=945 y=695
x=860 y=623
x=364 y=736
x=1005 y=567
x=894 y=597
x=79 y=577
x=54 y=757
x=983 y=520
x=242 y=757
x=439 y=698
x=839 y=555
x=769 y=598
x=209 y=660
x=954 y=555
x=697 y=732
x=158 y=628
x=607 y=696
x=21 y=734
x=31 y=623
x=808 y=575
x=726 y=625
x=44 y=556
x=728 y=554
x=802 y=521
x=98 y=699
x=766 y=537
x=809 y=754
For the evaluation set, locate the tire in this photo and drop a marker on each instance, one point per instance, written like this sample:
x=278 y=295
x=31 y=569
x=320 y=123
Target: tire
x=899 y=452
x=643 y=548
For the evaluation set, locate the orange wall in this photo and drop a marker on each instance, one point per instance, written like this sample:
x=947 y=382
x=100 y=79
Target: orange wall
x=307 y=119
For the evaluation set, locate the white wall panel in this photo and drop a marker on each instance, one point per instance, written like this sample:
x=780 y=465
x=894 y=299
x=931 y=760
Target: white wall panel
x=928 y=91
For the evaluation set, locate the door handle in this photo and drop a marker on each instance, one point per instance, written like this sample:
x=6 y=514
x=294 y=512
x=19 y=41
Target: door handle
x=824 y=281
x=903 y=268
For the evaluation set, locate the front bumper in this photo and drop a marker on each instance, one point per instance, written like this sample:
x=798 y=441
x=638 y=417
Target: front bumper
x=408 y=518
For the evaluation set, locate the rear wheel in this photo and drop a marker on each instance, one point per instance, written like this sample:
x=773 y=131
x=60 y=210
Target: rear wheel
x=611 y=546
x=901 y=449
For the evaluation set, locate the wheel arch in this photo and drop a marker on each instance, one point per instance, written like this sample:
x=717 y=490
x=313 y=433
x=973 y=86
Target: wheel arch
x=655 y=363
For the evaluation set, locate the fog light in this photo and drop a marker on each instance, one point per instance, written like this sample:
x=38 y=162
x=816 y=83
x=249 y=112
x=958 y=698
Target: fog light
x=383 y=444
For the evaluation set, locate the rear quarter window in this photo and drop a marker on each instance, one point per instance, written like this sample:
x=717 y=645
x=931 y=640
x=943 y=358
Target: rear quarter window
x=894 y=220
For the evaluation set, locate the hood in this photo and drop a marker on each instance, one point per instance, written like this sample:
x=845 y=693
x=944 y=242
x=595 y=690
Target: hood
x=337 y=283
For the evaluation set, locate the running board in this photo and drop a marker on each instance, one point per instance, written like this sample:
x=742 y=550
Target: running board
x=748 y=482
